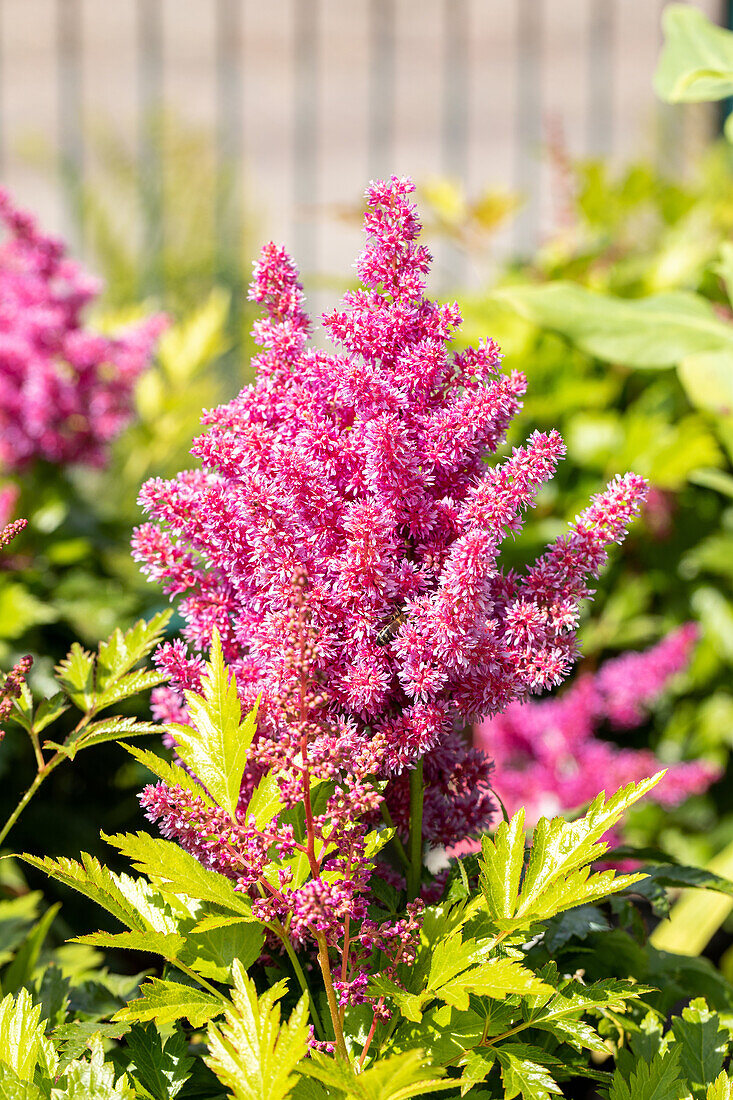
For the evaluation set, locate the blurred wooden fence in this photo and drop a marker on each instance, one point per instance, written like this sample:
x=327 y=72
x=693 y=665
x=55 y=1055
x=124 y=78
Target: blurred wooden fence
x=308 y=99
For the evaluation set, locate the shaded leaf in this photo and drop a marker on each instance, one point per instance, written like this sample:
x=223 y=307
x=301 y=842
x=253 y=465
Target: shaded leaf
x=166 y=1001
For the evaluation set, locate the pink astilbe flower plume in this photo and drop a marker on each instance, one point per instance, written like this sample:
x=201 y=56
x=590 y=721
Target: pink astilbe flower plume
x=364 y=470
x=65 y=391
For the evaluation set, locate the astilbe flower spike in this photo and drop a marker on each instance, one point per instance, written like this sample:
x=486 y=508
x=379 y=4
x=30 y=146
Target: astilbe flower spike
x=364 y=470
x=65 y=391
x=547 y=757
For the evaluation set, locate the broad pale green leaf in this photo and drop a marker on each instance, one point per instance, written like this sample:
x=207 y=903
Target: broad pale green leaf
x=162 y=1066
x=713 y=479
x=696 y=64
x=142 y=679
x=655 y=1080
x=167 y=863
x=708 y=380
x=216 y=744
x=73 y=1039
x=213 y=952
x=165 y=1002
x=266 y=801
x=400 y=1077
x=108 y=729
x=171 y=774
x=701 y=1041
x=253 y=1053
x=657 y=331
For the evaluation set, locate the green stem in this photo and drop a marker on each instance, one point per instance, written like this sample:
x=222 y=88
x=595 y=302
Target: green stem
x=398 y=845
x=40 y=776
x=417 y=792
x=302 y=980
x=197 y=978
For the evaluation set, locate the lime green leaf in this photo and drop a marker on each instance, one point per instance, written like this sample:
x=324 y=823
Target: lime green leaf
x=171 y=774
x=21 y=1034
x=558 y=875
x=523 y=1077
x=133 y=901
x=93 y=1079
x=721 y=1088
x=212 y=952
x=76 y=676
x=253 y=1054
x=266 y=801
x=73 y=1039
x=401 y=1077
x=655 y=1080
x=167 y=863
x=49 y=710
x=696 y=64
x=121 y=652
x=216 y=744
x=165 y=1002
x=701 y=1041
x=109 y=729
x=13 y=1088
x=657 y=331
x=713 y=479
x=167 y=944
x=162 y=1066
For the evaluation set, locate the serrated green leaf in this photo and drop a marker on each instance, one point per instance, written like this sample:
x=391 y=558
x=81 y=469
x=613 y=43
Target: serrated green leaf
x=134 y=683
x=523 y=1077
x=171 y=774
x=721 y=1088
x=76 y=676
x=133 y=901
x=400 y=1077
x=162 y=1066
x=557 y=875
x=73 y=1039
x=12 y=1088
x=17 y=915
x=216 y=744
x=701 y=1041
x=21 y=1034
x=266 y=801
x=122 y=651
x=49 y=710
x=166 y=1001
x=108 y=729
x=253 y=1054
x=167 y=944
x=166 y=863
x=53 y=995
x=93 y=1079
x=213 y=952
x=655 y=1080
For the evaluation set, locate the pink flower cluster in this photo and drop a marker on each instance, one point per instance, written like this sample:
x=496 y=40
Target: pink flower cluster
x=545 y=752
x=65 y=391
x=366 y=468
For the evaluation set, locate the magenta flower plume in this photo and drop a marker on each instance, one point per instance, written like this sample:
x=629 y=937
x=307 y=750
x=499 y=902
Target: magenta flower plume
x=365 y=469
x=547 y=757
x=65 y=391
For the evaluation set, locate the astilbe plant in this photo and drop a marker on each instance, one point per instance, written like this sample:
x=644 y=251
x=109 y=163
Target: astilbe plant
x=65 y=390
x=342 y=542
x=546 y=754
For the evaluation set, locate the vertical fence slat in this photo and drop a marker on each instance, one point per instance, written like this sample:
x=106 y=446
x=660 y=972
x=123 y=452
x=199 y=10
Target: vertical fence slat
x=229 y=121
x=528 y=130
x=599 y=128
x=149 y=128
x=70 y=132
x=380 y=137
x=305 y=131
